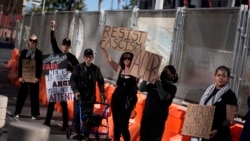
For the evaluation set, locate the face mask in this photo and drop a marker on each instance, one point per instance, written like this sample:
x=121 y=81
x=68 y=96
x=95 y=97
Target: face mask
x=165 y=76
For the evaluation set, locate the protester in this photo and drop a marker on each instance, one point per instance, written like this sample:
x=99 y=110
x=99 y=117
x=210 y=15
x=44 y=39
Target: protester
x=72 y=62
x=245 y=135
x=34 y=54
x=124 y=97
x=224 y=99
x=83 y=83
x=159 y=98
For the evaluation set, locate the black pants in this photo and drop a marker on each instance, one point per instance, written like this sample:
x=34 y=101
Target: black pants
x=33 y=90
x=121 y=120
x=223 y=134
x=151 y=129
x=50 y=111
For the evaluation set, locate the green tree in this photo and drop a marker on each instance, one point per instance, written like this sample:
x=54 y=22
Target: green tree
x=60 y=5
x=131 y=4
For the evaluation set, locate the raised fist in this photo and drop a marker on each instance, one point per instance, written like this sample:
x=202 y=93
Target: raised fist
x=53 y=25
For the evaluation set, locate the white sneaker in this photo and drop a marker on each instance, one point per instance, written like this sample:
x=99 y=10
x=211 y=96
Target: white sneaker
x=34 y=117
x=17 y=116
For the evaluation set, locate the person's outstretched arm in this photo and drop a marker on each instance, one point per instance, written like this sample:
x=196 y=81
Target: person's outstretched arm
x=108 y=58
x=53 y=38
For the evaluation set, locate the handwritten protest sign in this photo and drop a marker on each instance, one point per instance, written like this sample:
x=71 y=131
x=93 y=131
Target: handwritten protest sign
x=145 y=65
x=57 y=78
x=28 y=70
x=123 y=38
x=198 y=121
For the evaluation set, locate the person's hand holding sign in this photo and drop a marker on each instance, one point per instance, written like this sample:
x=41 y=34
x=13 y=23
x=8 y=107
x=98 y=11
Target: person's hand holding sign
x=77 y=95
x=36 y=80
x=213 y=133
x=21 y=80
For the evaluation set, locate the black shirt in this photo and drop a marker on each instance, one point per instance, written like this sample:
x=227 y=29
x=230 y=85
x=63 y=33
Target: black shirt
x=156 y=108
x=72 y=61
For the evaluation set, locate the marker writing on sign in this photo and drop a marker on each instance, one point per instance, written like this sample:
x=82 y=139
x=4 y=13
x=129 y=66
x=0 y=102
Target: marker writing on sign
x=146 y=65
x=123 y=39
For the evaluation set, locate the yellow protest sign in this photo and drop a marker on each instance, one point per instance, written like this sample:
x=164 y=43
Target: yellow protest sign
x=28 y=70
x=123 y=38
x=198 y=120
x=145 y=65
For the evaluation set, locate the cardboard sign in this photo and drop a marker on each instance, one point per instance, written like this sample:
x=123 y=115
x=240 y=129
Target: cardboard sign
x=145 y=65
x=198 y=121
x=123 y=39
x=57 y=78
x=28 y=70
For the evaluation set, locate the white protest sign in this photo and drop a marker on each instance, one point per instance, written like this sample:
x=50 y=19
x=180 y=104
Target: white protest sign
x=57 y=78
x=57 y=86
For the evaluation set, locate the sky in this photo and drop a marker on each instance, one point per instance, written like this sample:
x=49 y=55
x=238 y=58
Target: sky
x=92 y=5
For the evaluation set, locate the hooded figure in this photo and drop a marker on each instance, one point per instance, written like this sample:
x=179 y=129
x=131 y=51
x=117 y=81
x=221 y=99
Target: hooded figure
x=159 y=98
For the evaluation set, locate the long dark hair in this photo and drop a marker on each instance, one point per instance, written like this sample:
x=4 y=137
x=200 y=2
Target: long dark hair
x=121 y=62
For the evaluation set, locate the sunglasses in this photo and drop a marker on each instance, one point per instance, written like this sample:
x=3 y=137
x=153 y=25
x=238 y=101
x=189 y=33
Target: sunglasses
x=127 y=58
x=88 y=56
x=33 y=41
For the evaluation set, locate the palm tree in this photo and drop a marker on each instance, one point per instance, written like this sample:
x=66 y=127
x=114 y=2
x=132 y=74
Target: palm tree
x=131 y=5
x=61 y=5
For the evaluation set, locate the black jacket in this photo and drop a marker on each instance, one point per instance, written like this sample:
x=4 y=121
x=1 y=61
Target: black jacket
x=83 y=80
x=38 y=59
x=72 y=61
x=156 y=108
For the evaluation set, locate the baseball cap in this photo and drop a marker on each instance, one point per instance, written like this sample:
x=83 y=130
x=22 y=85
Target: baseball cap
x=66 y=41
x=88 y=51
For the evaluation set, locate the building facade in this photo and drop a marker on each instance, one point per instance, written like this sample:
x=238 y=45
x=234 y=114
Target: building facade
x=10 y=13
x=171 y=4
x=9 y=6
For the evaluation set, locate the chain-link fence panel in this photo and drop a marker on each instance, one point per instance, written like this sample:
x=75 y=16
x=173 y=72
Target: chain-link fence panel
x=118 y=19
x=64 y=23
x=25 y=31
x=244 y=92
x=242 y=63
x=208 y=42
x=160 y=27
x=158 y=24
x=45 y=37
x=86 y=33
x=196 y=41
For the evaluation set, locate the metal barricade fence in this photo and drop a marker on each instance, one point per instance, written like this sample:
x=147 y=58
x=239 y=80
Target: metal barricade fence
x=196 y=41
x=207 y=42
